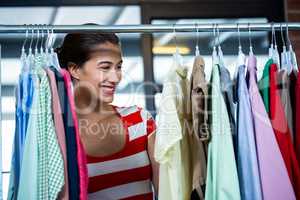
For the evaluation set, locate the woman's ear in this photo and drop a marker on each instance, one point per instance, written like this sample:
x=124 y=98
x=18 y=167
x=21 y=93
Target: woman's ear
x=74 y=70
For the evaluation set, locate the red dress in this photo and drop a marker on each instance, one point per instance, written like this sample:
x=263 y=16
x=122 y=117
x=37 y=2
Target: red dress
x=282 y=132
x=297 y=118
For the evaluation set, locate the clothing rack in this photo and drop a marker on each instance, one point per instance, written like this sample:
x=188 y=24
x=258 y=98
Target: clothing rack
x=143 y=28
x=153 y=28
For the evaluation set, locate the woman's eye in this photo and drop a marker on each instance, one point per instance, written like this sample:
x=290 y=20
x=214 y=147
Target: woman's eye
x=104 y=67
x=119 y=66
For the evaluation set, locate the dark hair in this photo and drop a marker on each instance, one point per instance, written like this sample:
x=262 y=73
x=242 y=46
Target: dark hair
x=77 y=47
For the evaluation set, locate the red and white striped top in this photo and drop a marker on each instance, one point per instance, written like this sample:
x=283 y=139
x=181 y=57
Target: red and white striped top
x=126 y=174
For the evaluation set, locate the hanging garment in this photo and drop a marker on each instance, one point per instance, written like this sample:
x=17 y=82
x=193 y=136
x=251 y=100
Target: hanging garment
x=247 y=164
x=200 y=136
x=199 y=99
x=81 y=157
x=284 y=91
x=72 y=163
x=293 y=92
x=264 y=85
x=125 y=174
x=24 y=98
x=222 y=178
x=227 y=92
x=28 y=185
x=50 y=170
x=275 y=181
x=297 y=117
x=172 y=142
x=60 y=131
x=282 y=132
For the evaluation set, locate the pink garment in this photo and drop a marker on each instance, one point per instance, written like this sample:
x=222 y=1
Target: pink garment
x=81 y=157
x=60 y=132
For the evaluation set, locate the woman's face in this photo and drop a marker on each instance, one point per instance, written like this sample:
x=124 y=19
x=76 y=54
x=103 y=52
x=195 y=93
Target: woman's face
x=100 y=75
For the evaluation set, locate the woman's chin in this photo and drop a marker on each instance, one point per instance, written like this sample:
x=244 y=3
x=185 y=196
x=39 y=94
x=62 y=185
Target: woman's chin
x=106 y=99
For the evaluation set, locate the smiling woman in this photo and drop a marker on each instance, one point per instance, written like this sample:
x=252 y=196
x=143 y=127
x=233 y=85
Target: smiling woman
x=118 y=141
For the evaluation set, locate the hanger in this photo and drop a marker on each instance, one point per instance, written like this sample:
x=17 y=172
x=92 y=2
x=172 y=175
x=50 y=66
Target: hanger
x=31 y=40
x=291 y=54
x=36 y=52
x=215 y=59
x=53 y=54
x=30 y=57
x=284 y=60
x=197 y=52
x=23 y=52
x=241 y=55
x=177 y=55
x=46 y=47
x=250 y=42
x=220 y=52
x=42 y=40
x=276 y=57
x=271 y=48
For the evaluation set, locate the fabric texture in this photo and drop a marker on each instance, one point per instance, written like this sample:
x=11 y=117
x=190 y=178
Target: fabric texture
x=247 y=164
x=113 y=176
x=275 y=181
x=81 y=157
x=72 y=164
x=60 y=131
x=282 y=132
x=201 y=134
x=222 y=178
x=172 y=148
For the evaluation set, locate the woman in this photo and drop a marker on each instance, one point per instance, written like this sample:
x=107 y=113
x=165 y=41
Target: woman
x=118 y=141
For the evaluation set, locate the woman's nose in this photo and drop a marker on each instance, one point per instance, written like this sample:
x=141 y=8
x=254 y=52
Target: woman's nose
x=114 y=76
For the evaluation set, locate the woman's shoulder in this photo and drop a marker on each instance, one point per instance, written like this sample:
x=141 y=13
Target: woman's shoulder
x=139 y=116
x=134 y=110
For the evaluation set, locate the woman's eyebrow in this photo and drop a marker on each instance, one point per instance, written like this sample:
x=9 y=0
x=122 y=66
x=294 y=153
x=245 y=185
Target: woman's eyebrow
x=105 y=62
x=109 y=62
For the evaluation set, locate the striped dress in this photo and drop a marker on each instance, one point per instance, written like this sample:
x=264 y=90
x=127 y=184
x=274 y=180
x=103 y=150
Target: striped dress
x=126 y=174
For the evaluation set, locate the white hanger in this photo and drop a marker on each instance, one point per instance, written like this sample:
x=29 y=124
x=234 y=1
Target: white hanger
x=53 y=54
x=276 y=57
x=177 y=55
x=215 y=58
x=30 y=57
x=31 y=41
x=220 y=52
x=197 y=52
x=284 y=60
x=23 y=52
x=291 y=54
x=36 y=52
x=271 y=48
x=42 y=40
x=250 y=42
x=241 y=55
